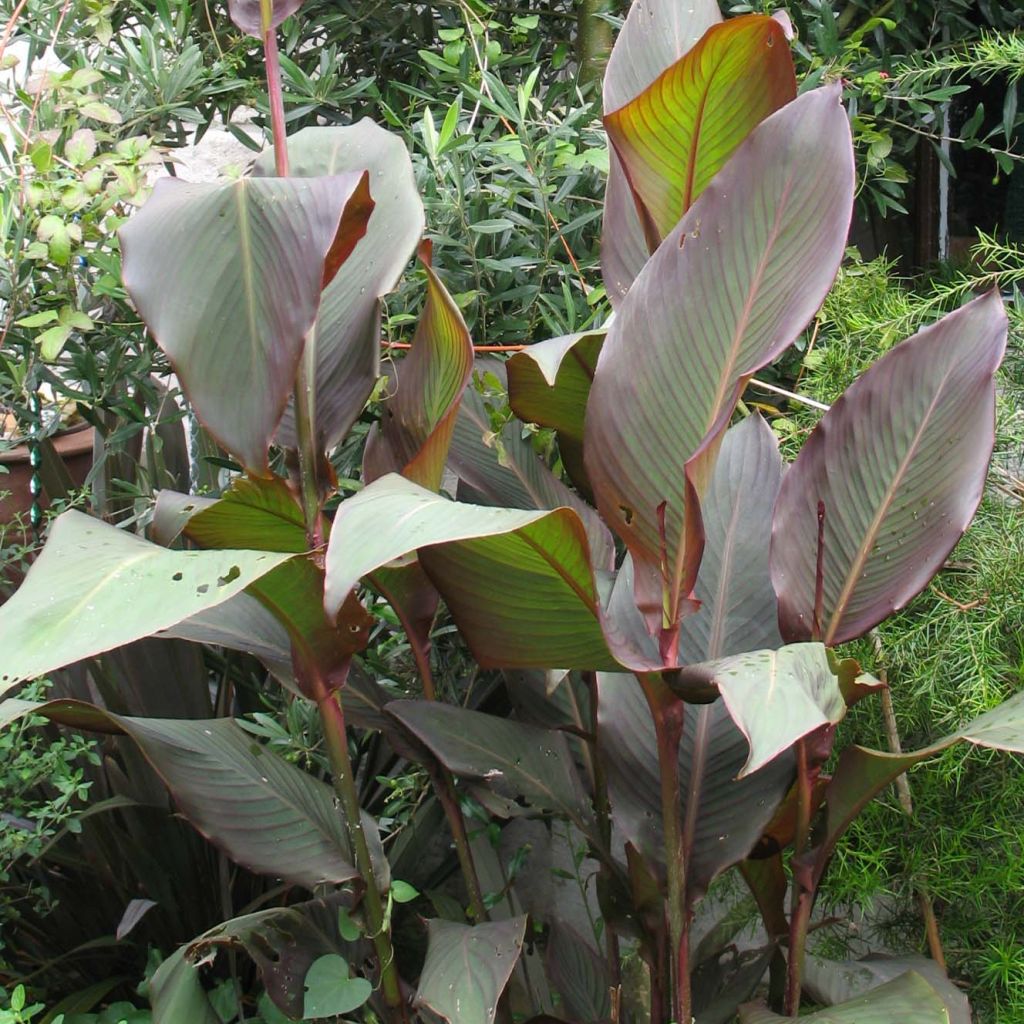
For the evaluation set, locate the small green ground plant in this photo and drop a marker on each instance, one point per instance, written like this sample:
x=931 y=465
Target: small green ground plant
x=677 y=704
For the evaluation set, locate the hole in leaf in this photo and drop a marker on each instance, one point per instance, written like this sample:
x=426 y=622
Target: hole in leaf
x=202 y=588
x=232 y=574
x=176 y=577
x=627 y=513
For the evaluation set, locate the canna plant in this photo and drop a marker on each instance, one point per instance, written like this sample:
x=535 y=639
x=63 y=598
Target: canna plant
x=666 y=625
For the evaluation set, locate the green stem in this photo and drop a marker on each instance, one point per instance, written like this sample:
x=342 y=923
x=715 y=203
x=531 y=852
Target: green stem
x=668 y=712
x=333 y=718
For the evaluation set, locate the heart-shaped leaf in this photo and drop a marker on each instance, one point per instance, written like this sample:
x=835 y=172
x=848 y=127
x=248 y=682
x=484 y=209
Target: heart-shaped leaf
x=344 y=344
x=330 y=989
x=467 y=968
x=676 y=135
x=228 y=278
x=734 y=284
x=95 y=587
x=896 y=468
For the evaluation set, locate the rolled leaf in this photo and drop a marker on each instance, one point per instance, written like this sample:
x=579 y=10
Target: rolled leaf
x=734 y=284
x=676 y=135
x=247 y=14
x=344 y=345
x=467 y=968
x=897 y=468
x=228 y=278
x=546 y=611
x=95 y=587
x=514 y=759
x=417 y=421
x=655 y=34
x=908 y=999
x=730 y=813
x=738 y=611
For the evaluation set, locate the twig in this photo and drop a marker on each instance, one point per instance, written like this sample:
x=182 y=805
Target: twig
x=892 y=736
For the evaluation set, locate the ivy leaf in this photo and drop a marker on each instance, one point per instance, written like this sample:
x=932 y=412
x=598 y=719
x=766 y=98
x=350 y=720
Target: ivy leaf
x=330 y=990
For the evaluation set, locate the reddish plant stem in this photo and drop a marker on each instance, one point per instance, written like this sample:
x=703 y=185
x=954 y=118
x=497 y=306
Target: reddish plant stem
x=668 y=712
x=275 y=97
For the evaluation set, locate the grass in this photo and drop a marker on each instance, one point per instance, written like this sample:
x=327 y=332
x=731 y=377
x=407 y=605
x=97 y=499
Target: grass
x=954 y=652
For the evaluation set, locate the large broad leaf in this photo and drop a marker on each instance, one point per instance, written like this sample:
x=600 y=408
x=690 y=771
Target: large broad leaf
x=95 y=587
x=578 y=973
x=896 y=468
x=283 y=943
x=467 y=968
x=262 y=514
x=229 y=277
x=738 y=611
x=417 y=421
x=546 y=611
x=514 y=759
x=724 y=815
x=248 y=14
x=549 y=384
x=830 y=982
x=775 y=697
x=733 y=285
x=344 y=345
x=908 y=999
x=265 y=813
x=505 y=471
x=655 y=34
x=675 y=136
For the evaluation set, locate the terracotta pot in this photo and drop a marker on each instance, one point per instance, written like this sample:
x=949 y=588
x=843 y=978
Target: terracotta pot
x=73 y=447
